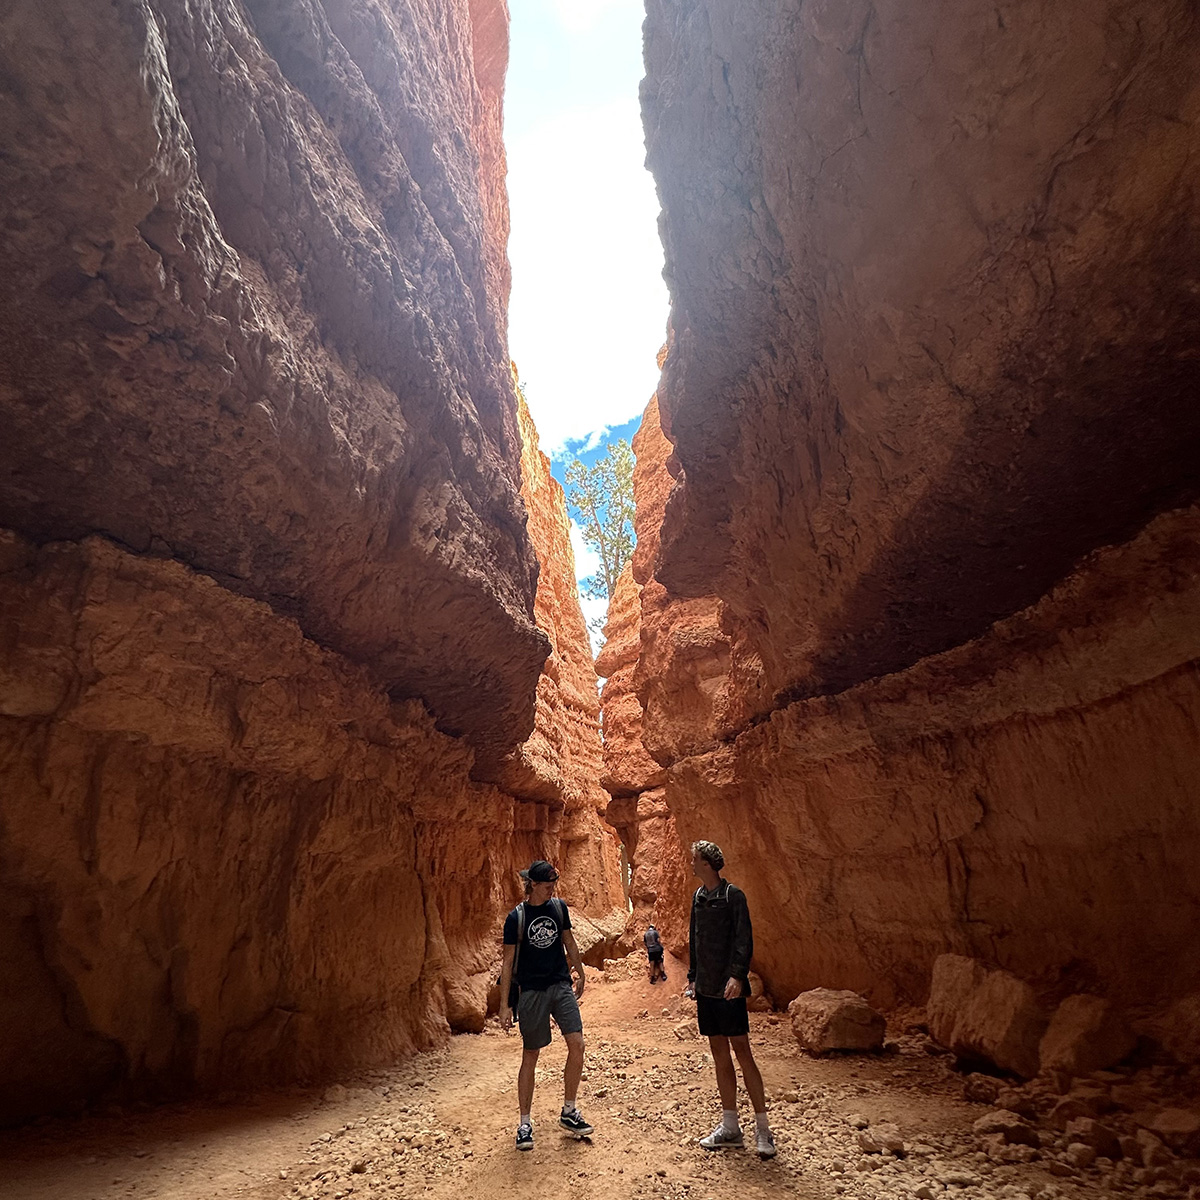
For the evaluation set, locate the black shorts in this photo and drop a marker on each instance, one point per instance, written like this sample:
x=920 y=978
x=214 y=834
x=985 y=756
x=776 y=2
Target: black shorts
x=655 y=955
x=722 y=1018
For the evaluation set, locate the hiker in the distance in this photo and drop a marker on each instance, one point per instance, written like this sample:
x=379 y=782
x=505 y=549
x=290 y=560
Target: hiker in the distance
x=720 y=948
x=654 y=952
x=537 y=935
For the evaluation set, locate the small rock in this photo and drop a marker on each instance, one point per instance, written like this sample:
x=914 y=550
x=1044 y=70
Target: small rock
x=881 y=1138
x=335 y=1094
x=1080 y=1155
x=358 y=1166
x=1178 y=1128
x=924 y=1192
x=1068 y=1109
x=1010 y=1125
x=857 y=1121
x=957 y=1178
x=981 y=1089
x=1092 y=1133
x=1131 y=1150
x=1153 y=1152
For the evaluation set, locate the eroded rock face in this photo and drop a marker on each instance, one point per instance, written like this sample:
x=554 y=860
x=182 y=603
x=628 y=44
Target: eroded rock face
x=201 y=806
x=933 y=291
x=254 y=314
x=918 y=639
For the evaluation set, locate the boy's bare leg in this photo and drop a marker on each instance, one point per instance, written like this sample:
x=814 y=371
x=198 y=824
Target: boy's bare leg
x=574 y=1068
x=751 y=1075
x=525 y=1079
x=726 y=1073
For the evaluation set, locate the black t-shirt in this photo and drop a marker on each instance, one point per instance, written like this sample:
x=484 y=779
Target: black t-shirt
x=543 y=959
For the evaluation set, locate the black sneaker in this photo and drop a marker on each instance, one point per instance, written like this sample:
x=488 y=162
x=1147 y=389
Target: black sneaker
x=574 y=1121
x=524 y=1137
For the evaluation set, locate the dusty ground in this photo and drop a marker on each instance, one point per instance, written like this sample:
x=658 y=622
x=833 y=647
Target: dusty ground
x=442 y=1127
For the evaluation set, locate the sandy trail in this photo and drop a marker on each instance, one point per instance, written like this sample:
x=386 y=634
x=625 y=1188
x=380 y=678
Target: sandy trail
x=442 y=1126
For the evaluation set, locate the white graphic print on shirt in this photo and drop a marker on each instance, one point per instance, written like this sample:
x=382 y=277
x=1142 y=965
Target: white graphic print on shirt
x=542 y=932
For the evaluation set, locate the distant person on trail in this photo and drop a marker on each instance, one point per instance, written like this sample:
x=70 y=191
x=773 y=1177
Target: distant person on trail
x=654 y=952
x=720 y=945
x=537 y=935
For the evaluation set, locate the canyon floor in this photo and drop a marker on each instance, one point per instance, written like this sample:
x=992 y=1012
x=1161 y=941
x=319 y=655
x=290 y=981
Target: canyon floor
x=442 y=1126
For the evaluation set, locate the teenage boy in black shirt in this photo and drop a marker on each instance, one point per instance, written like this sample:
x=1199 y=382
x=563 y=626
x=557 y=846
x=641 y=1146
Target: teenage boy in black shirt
x=545 y=983
x=720 y=947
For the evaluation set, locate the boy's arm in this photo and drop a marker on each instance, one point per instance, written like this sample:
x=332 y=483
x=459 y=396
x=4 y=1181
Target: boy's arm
x=690 y=990
x=506 y=970
x=575 y=959
x=743 y=946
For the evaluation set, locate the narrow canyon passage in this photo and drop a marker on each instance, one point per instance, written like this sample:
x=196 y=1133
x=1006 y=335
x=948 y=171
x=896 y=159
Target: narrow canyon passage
x=294 y=677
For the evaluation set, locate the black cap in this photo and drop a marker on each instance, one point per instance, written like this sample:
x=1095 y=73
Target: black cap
x=540 y=871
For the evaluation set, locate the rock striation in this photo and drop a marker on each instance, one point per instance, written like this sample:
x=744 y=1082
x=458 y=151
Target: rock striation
x=278 y=722
x=918 y=631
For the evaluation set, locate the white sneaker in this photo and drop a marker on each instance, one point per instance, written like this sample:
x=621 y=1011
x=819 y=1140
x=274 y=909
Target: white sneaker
x=722 y=1139
x=764 y=1143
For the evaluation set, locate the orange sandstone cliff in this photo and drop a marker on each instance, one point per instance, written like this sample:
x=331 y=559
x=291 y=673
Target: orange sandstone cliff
x=919 y=640
x=274 y=634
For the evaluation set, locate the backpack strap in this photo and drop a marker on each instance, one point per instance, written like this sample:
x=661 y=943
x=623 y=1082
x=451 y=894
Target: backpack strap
x=520 y=936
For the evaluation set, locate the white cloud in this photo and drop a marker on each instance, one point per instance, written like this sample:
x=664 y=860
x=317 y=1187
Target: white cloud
x=587 y=561
x=593 y=609
x=589 y=306
x=579 y=16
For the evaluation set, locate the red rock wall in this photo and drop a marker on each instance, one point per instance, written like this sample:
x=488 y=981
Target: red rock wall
x=934 y=301
x=267 y=591
x=254 y=315
x=224 y=853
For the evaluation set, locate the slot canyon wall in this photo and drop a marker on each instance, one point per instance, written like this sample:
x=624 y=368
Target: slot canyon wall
x=284 y=700
x=915 y=633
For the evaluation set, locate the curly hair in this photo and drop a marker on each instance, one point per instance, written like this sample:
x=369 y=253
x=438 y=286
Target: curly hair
x=711 y=853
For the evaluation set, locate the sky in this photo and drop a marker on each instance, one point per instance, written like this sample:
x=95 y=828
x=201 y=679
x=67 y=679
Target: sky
x=588 y=310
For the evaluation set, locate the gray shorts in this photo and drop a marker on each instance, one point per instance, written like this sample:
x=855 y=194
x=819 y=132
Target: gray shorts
x=536 y=1007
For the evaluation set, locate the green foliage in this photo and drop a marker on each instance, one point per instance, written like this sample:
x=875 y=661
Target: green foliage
x=601 y=497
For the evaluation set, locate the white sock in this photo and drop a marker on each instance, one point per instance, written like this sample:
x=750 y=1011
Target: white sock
x=526 y=1119
x=760 y=1122
x=569 y=1107
x=729 y=1120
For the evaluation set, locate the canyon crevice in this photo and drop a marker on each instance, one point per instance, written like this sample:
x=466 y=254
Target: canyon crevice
x=917 y=606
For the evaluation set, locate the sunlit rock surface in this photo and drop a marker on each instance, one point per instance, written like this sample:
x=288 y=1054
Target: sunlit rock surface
x=254 y=306
x=919 y=640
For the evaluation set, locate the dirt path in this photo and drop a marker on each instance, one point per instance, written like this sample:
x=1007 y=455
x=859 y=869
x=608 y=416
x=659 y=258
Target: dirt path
x=442 y=1127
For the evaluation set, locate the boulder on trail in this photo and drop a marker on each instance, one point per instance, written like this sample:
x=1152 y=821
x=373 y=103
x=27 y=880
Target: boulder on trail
x=981 y=1013
x=1179 y=1030
x=826 y=1019
x=1085 y=1034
